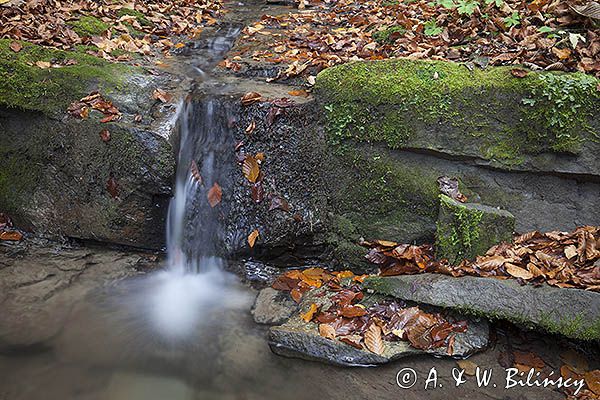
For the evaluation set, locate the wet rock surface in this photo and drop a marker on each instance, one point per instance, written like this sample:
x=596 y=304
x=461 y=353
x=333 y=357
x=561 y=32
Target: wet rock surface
x=574 y=313
x=38 y=285
x=273 y=307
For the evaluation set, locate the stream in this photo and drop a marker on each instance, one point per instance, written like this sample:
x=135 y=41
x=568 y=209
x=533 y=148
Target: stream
x=97 y=323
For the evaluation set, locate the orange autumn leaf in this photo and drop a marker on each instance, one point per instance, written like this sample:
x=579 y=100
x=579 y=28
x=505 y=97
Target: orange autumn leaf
x=11 y=235
x=309 y=314
x=592 y=380
x=373 y=339
x=252 y=237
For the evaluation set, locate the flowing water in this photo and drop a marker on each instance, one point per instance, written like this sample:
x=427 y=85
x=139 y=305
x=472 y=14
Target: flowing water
x=185 y=332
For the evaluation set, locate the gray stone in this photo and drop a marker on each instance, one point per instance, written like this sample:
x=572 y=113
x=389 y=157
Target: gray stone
x=466 y=230
x=273 y=307
x=574 y=313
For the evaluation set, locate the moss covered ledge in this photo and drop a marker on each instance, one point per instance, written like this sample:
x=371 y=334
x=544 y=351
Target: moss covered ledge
x=490 y=115
x=51 y=90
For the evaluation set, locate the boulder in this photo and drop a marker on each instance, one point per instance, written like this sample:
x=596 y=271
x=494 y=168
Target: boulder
x=574 y=313
x=466 y=230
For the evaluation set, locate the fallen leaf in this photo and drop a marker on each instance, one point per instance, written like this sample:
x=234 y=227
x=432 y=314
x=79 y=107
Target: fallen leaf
x=570 y=251
x=469 y=367
x=105 y=135
x=252 y=238
x=11 y=235
x=214 y=195
x=16 y=46
x=519 y=72
x=352 y=340
x=309 y=314
x=279 y=203
x=43 y=64
x=250 y=128
x=300 y=93
x=592 y=380
x=195 y=172
x=518 y=272
x=327 y=331
x=112 y=187
x=251 y=98
x=161 y=95
x=373 y=339
x=250 y=169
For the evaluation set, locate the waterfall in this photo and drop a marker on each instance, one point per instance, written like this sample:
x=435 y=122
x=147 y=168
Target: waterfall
x=195 y=280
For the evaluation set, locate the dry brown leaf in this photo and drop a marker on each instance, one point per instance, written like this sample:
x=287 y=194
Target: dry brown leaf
x=161 y=95
x=592 y=380
x=105 y=135
x=327 y=331
x=373 y=339
x=469 y=367
x=214 y=195
x=252 y=237
x=519 y=72
x=251 y=98
x=43 y=64
x=16 y=46
x=518 y=272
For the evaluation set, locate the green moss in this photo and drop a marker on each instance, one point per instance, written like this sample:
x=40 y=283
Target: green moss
x=459 y=238
x=141 y=18
x=88 y=26
x=432 y=104
x=51 y=90
x=575 y=328
x=389 y=34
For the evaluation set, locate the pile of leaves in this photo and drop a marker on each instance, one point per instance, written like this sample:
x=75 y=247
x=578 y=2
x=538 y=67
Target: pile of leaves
x=541 y=34
x=563 y=259
x=362 y=327
x=132 y=26
x=95 y=101
x=7 y=231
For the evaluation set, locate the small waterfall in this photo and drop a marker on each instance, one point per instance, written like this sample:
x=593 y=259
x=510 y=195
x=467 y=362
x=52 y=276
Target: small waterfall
x=195 y=282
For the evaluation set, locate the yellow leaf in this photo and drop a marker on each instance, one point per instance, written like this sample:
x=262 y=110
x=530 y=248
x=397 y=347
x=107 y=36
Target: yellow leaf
x=252 y=237
x=250 y=169
x=308 y=315
x=43 y=64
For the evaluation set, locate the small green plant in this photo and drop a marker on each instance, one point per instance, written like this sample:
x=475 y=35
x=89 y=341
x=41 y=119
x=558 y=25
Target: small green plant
x=560 y=98
x=512 y=20
x=431 y=28
x=446 y=3
x=497 y=3
x=466 y=7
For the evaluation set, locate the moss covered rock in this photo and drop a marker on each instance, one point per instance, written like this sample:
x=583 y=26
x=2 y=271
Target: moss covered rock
x=545 y=121
x=466 y=230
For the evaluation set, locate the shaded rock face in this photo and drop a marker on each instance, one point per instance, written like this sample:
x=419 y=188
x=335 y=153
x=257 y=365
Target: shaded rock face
x=60 y=177
x=573 y=313
x=300 y=339
x=466 y=230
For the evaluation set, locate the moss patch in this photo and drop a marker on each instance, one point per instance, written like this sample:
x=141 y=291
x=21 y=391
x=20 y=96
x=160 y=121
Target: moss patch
x=24 y=85
x=434 y=104
x=89 y=26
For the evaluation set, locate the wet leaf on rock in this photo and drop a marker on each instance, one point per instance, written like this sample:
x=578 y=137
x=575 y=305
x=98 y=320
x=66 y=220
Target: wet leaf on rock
x=252 y=238
x=112 y=187
x=251 y=98
x=11 y=235
x=250 y=169
x=257 y=192
x=195 y=172
x=105 y=135
x=373 y=339
x=214 y=195
x=162 y=96
x=309 y=314
x=279 y=203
